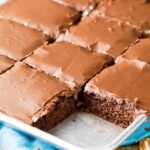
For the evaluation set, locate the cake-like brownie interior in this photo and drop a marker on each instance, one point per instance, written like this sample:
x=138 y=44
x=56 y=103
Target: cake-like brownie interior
x=118 y=111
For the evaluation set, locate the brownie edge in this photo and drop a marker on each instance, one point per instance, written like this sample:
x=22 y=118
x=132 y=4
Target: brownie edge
x=55 y=111
x=112 y=109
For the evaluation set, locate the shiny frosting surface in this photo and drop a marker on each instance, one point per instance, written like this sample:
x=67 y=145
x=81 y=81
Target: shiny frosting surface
x=71 y=63
x=102 y=35
x=136 y=12
x=17 y=41
x=139 y=51
x=47 y=16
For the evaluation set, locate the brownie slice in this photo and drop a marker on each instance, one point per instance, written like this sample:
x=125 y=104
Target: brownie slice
x=102 y=35
x=70 y=63
x=17 y=41
x=34 y=97
x=139 y=51
x=135 y=12
x=44 y=15
x=120 y=93
x=5 y=63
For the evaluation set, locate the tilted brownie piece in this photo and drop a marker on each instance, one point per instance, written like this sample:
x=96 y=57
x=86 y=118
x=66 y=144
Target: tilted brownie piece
x=70 y=63
x=102 y=35
x=80 y=5
x=17 y=41
x=136 y=12
x=139 y=51
x=120 y=93
x=47 y=16
x=5 y=63
x=34 y=97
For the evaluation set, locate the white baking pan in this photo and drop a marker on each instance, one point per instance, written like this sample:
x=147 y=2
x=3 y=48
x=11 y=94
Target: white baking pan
x=81 y=131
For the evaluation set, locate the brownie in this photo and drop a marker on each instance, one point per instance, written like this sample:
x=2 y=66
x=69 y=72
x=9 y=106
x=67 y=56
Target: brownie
x=44 y=15
x=120 y=93
x=34 y=97
x=139 y=51
x=17 y=41
x=134 y=12
x=102 y=35
x=96 y=60
x=70 y=63
x=5 y=63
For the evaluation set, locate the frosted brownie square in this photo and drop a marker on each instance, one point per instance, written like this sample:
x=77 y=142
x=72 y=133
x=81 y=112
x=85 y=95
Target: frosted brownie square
x=44 y=15
x=120 y=93
x=70 y=63
x=34 y=97
x=17 y=41
x=102 y=35
x=135 y=14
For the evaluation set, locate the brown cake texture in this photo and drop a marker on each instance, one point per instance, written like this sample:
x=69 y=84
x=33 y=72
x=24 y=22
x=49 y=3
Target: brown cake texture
x=57 y=55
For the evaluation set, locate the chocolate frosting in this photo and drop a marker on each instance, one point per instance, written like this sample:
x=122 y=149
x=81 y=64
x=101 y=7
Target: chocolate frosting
x=139 y=51
x=79 y=4
x=45 y=15
x=17 y=41
x=128 y=79
x=133 y=11
x=71 y=63
x=5 y=63
x=25 y=91
x=102 y=35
